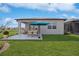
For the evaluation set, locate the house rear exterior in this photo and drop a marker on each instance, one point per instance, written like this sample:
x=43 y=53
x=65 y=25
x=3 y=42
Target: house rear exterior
x=55 y=26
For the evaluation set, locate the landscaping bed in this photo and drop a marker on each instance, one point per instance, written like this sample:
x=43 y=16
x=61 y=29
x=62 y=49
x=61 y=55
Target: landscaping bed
x=1 y=44
x=1 y=35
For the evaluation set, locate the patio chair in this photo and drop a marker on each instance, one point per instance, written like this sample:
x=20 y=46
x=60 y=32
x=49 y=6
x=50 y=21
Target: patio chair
x=35 y=32
x=25 y=32
x=30 y=32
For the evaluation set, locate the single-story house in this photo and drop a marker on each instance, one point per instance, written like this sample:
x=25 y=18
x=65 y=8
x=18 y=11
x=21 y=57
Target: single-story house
x=44 y=25
x=72 y=26
x=35 y=28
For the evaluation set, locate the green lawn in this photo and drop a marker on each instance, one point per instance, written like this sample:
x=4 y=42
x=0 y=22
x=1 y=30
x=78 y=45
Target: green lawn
x=1 y=35
x=51 y=45
x=70 y=37
x=11 y=32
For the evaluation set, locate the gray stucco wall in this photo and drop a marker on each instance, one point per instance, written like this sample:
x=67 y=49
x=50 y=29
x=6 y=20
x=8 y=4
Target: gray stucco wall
x=59 y=28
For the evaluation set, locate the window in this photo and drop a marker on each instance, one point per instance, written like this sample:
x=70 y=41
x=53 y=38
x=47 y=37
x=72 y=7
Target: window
x=52 y=26
x=49 y=26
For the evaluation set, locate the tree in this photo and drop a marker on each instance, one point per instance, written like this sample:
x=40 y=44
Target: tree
x=3 y=27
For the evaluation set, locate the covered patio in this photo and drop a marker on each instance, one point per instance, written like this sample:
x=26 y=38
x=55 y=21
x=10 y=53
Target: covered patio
x=31 y=31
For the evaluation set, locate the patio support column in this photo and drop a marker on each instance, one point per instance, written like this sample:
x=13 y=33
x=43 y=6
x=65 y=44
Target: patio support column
x=19 y=27
x=29 y=26
x=26 y=27
x=73 y=27
x=38 y=29
x=66 y=28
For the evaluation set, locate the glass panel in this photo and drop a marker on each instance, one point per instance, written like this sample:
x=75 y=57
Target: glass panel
x=52 y=25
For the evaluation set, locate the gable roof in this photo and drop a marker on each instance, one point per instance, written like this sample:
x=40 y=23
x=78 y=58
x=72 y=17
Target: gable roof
x=72 y=20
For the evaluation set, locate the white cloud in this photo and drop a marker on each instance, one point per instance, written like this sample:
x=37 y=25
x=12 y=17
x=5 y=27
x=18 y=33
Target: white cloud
x=46 y=6
x=52 y=7
x=39 y=6
x=11 y=19
x=69 y=16
x=10 y=22
x=8 y=19
x=4 y=8
x=73 y=17
x=64 y=15
x=64 y=7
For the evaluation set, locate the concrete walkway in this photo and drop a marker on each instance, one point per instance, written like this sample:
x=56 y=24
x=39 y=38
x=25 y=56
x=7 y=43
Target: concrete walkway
x=5 y=47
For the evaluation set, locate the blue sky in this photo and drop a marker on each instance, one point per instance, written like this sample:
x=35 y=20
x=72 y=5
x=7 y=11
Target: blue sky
x=11 y=11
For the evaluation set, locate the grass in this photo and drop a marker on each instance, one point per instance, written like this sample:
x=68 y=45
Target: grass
x=51 y=45
x=43 y=48
x=11 y=32
x=1 y=35
x=70 y=37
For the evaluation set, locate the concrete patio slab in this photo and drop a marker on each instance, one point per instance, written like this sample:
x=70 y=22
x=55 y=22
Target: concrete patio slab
x=24 y=37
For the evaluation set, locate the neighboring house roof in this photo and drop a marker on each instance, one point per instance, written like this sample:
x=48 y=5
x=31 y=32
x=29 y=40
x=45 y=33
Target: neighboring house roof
x=72 y=20
x=41 y=19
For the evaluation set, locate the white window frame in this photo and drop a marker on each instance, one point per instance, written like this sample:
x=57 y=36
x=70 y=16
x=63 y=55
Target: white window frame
x=51 y=26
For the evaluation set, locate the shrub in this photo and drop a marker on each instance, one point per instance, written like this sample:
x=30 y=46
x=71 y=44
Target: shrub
x=67 y=33
x=6 y=33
